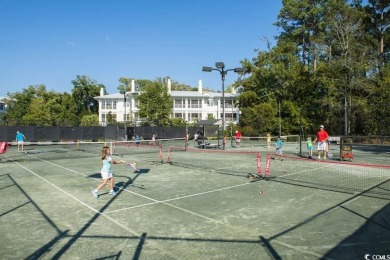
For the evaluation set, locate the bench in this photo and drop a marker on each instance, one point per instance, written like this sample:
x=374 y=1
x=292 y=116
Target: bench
x=334 y=139
x=208 y=146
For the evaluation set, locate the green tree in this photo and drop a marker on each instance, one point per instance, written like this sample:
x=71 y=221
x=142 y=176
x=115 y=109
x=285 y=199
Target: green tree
x=125 y=84
x=155 y=104
x=178 y=122
x=19 y=104
x=64 y=109
x=39 y=114
x=83 y=92
x=90 y=120
x=210 y=117
x=111 y=120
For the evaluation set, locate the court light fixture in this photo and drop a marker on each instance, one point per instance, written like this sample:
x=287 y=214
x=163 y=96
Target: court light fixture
x=124 y=100
x=220 y=66
x=207 y=69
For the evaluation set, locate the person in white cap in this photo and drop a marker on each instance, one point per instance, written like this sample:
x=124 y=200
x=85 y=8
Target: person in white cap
x=322 y=139
x=238 y=138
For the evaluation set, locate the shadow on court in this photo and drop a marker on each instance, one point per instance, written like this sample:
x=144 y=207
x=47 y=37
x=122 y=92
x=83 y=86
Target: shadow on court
x=80 y=233
x=372 y=236
x=366 y=240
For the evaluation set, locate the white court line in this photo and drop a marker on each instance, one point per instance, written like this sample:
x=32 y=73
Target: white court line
x=312 y=169
x=154 y=200
x=131 y=231
x=178 y=198
x=98 y=180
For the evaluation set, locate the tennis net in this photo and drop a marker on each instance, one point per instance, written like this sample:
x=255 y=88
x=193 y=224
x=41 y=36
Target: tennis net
x=56 y=150
x=255 y=140
x=340 y=177
x=149 y=150
x=240 y=163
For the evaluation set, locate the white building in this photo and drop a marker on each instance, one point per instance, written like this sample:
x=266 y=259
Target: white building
x=189 y=105
x=2 y=108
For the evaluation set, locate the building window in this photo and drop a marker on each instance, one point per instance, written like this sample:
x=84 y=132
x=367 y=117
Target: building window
x=103 y=118
x=228 y=103
x=228 y=116
x=195 y=103
x=1 y=106
x=136 y=103
x=108 y=104
x=179 y=103
x=179 y=115
x=136 y=116
x=194 y=116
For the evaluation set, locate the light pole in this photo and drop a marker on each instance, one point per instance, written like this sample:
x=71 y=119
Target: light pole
x=280 y=118
x=124 y=99
x=220 y=66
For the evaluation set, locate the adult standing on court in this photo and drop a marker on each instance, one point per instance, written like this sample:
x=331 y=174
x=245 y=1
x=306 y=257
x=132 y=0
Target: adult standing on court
x=20 y=138
x=238 y=138
x=322 y=139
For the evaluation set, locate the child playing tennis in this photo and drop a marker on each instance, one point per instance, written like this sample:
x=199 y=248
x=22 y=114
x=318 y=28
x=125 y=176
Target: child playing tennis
x=268 y=140
x=106 y=172
x=278 y=148
x=310 y=147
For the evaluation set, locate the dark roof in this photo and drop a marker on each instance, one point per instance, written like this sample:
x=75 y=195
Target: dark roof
x=210 y=122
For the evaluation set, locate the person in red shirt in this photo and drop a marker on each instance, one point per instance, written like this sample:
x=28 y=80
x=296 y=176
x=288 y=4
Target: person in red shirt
x=238 y=138
x=322 y=139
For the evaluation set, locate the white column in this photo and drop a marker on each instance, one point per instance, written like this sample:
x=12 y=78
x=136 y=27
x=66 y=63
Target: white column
x=169 y=86
x=200 y=87
x=132 y=86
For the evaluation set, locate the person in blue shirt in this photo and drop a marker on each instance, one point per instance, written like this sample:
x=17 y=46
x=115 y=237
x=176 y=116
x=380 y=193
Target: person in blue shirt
x=278 y=148
x=106 y=172
x=137 y=140
x=20 y=138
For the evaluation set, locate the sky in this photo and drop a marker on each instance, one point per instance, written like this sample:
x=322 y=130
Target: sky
x=50 y=42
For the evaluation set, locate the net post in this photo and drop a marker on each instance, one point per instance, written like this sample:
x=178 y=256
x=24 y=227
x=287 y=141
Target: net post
x=169 y=154
x=258 y=161
x=268 y=165
x=161 y=156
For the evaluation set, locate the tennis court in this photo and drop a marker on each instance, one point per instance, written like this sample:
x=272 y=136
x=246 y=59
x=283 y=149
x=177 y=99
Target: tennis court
x=201 y=205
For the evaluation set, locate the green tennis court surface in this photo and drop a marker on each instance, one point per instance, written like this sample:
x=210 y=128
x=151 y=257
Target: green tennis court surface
x=201 y=206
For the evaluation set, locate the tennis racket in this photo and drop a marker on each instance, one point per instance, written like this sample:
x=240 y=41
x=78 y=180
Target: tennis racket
x=134 y=167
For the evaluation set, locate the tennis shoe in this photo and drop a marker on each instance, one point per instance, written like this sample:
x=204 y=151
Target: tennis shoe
x=95 y=194
x=113 y=193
